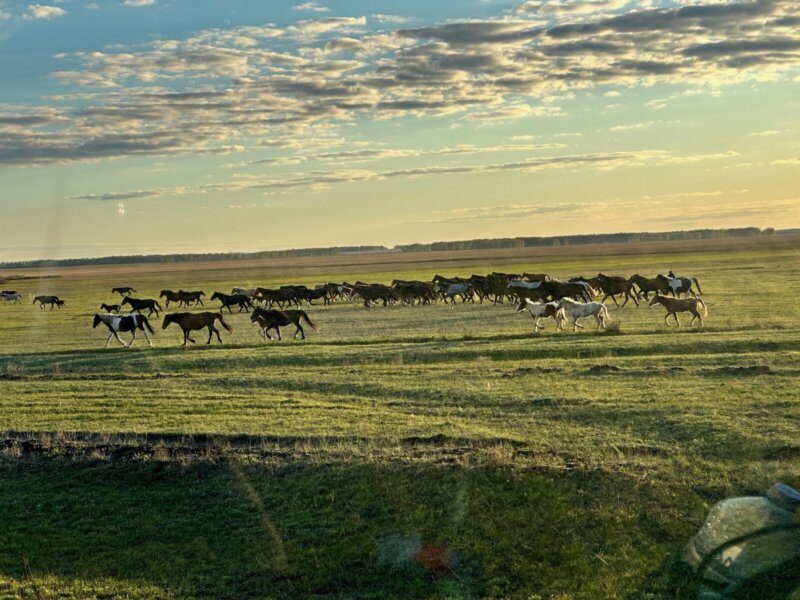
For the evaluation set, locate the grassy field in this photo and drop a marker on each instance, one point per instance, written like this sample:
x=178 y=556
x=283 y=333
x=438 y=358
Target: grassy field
x=422 y=452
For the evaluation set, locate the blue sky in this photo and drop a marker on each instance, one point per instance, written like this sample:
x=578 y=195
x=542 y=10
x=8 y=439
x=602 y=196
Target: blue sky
x=145 y=126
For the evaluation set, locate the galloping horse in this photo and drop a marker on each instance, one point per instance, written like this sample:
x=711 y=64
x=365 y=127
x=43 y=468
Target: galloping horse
x=227 y=301
x=189 y=322
x=275 y=319
x=138 y=305
x=647 y=285
x=112 y=308
x=680 y=285
x=611 y=286
x=123 y=291
x=171 y=296
x=539 y=310
x=676 y=305
x=192 y=297
x=53 y=301
x=117 y=323
x=579 y=310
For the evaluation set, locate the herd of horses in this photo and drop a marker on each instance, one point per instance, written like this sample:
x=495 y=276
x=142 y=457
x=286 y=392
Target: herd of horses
x=543 y=297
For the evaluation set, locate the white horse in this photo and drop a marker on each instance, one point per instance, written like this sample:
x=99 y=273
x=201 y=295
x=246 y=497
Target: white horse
x=579 y=310
x=528 y=285
x=451 y=290
x=542 y=310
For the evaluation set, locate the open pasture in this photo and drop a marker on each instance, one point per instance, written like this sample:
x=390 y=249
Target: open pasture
x=427 y=451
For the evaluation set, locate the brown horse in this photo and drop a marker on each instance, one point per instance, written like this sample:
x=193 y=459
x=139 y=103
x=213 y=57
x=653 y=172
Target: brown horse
x=275 y=319
x=647 y=285
x=138 y=305
x=676 y=305
x=123 y=291
x=240 y=300
x=611 y=286
x=112 y=308
x=189 y=322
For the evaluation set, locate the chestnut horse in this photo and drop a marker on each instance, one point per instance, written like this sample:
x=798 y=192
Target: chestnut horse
x=189 y=322
x=676 y=305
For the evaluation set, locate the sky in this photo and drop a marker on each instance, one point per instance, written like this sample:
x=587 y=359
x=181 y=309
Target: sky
x=160 y=126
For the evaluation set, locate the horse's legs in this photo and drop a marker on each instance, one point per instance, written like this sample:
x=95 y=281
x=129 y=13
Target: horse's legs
x=219 y=339
x=133 y=337
x=666 y=319
x=536 y=324
x=119 y=339
x=149 y=341
x=108 y=341
x=677 y=320
x=210 y=333
x=278 y=331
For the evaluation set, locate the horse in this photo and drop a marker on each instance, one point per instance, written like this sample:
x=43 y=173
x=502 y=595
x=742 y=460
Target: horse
x=579 y=310
x=317 y=294
x=123 y=291
x=275 y=319
x=192 y=297
x=539 y=310
x=536 y=276
x=647 y=285
x=138 y=305
x=53 y=301
x=11 y=297
x=611 y=286
x=242 y=301
x=117 y=323
x=111 y=308
x=171 y=296
x=680 y=285
x=451 y=290
x=189 y=322
x=556 y=290
x=676 y=305
x=60 y=303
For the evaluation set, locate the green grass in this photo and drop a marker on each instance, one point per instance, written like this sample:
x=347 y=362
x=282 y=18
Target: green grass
x=556 y=465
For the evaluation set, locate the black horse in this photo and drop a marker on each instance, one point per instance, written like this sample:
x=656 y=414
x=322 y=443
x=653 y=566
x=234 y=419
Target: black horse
x=240 y=300
x=139 y=305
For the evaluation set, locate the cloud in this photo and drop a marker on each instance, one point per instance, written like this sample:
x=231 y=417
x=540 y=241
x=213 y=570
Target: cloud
x=312 y=7
x=139 y=2
x=43 y=11
x=116 y=196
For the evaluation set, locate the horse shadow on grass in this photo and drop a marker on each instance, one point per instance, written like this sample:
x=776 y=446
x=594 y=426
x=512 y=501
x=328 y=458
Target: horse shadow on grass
x=233 y=529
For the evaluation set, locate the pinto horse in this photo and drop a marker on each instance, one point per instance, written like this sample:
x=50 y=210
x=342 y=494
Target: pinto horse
x=117 y=323
x=676 y=305
x=539 y=311
x=138 y=305
x=275 y=319
x=680 y=285
x=189 y=322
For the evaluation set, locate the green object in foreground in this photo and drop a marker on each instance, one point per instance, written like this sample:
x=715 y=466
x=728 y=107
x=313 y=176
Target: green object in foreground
x=749 y=547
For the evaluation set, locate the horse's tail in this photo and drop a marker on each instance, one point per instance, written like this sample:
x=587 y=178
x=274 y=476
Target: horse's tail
x=697 y=283
x=218 y=317
x=146 y=323
x=703 y=304
x=309 y=321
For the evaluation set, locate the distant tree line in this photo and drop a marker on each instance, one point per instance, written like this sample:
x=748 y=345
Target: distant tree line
x=479 y=244
x=595 y=238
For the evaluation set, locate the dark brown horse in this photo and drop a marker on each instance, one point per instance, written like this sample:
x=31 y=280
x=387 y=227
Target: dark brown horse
x=189 y=322
x=275 y=319
x=240 y=300
x=123 y=291
x=647 y=285
x=53 y=301
x=612 y=286
x=138 y=305
x=170 y=296
x=195 y=297
x=112 y=308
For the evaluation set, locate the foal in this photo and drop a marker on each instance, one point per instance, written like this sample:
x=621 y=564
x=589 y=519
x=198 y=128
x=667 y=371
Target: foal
x=676 y=305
